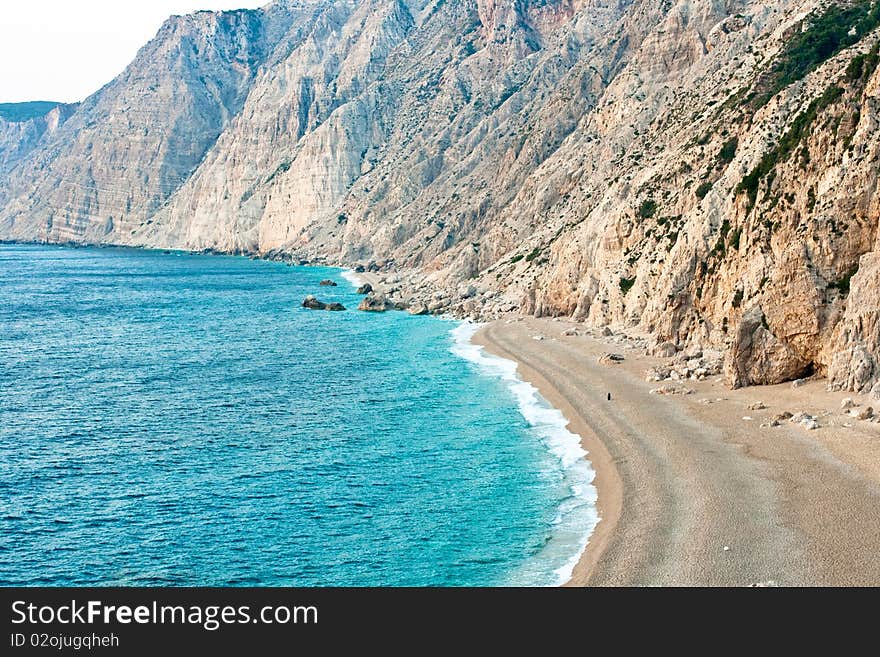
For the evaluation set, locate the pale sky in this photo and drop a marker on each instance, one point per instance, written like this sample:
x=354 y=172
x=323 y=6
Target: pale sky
x=65 y=50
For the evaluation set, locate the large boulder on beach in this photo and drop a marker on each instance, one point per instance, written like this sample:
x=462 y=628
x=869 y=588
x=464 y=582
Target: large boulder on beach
x=665 y=350
x=366 y=288
x=758 y=357
x=467 y=291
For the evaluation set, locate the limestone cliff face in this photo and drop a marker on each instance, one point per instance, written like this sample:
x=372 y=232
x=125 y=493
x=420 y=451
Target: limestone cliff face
x=130 y=146
x=19 y=137
x=704 y=171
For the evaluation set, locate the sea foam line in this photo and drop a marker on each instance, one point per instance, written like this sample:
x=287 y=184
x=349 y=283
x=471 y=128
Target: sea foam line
x=577 y=517
x=352 y=277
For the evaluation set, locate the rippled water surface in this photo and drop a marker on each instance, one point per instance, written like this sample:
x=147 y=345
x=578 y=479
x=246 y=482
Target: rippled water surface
x=172 y=419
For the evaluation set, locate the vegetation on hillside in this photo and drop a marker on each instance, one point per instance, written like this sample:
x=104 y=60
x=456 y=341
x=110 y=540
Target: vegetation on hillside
x=626 y=284
x=840 y=26
x=863 y=66
x=787 y=144
x=648 y=209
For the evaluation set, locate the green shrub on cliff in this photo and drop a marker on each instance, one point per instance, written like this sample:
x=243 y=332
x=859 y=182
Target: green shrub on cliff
x=728 y=151
x=826 y=34
x=843 y=284
x=863 y=66
x=799 y=130
x=648 y=209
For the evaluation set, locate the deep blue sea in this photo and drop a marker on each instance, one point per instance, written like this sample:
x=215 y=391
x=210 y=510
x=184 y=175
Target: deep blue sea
x=172 y=419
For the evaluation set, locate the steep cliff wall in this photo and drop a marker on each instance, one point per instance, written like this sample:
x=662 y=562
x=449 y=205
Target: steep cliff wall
x=131 y=145
x=23 y=127
x=704 y=171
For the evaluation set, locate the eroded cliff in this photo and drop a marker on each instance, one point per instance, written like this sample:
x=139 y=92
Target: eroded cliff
x=701 y=171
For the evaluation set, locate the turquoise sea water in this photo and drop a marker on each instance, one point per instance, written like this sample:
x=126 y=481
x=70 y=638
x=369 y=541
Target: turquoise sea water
x=173 y=419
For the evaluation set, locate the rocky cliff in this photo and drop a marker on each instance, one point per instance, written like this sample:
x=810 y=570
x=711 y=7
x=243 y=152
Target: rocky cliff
x=24 y=126
x=700 y=171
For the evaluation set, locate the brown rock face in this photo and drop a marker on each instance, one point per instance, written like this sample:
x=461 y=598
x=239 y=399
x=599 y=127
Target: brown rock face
x=633 y=164
x=757 y=357
x=855 y=363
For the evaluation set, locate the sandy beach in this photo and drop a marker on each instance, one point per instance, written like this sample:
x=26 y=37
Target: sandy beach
x=693 y=490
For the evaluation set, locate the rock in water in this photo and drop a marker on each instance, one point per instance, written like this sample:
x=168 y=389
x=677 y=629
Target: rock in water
x=328 y=283
x=312 y=303
x=374 y=303
x=366 y=288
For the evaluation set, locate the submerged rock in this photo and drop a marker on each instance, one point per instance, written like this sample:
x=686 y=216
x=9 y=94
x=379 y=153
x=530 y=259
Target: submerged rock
x=328 y=283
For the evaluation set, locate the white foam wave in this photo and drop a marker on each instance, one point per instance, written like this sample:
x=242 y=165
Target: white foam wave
x=352 y=277
x=577 y=516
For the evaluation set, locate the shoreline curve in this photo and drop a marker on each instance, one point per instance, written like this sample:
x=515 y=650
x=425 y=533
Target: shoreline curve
x=606 y=481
